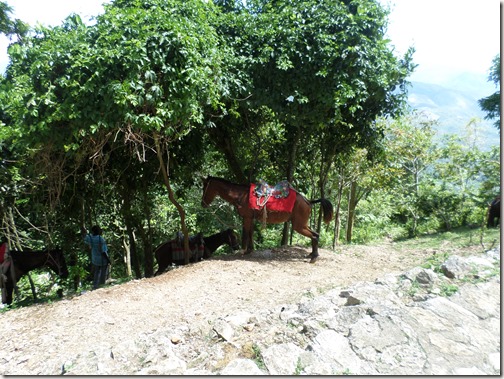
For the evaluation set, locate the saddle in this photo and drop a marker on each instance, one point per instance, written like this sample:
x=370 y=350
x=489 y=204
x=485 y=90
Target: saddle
x=278 y=191
x=196 y=246
x=280 y=197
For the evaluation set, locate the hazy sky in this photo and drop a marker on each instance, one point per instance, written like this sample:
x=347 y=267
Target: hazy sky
x=450 y=36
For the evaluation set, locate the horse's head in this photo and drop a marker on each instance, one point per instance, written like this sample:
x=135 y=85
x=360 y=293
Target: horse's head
x=233 y=239
x=208 y=192
x=56 y=261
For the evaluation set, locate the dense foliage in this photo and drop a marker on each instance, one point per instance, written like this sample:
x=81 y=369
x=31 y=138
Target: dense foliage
x=117 y=123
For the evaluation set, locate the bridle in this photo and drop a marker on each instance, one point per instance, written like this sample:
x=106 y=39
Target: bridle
x=214 y=215
x=205 y=190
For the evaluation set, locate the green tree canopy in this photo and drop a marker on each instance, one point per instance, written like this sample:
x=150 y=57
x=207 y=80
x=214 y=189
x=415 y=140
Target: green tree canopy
x=323 y=68
x=491 y=104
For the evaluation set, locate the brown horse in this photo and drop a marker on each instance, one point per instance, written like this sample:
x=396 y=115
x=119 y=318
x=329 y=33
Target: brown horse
x=238 y=195
x=165 y=256
x=24 y=261
x=493 y=212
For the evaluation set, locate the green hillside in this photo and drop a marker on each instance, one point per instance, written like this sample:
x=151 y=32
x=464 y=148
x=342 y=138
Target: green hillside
x=455 y=106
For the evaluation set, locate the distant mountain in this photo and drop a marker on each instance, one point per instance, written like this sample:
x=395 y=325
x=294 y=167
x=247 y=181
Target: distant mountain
x=454 y=104
x=473 y=84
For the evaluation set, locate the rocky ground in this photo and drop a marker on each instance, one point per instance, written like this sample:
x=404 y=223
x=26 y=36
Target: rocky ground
x=360 y=310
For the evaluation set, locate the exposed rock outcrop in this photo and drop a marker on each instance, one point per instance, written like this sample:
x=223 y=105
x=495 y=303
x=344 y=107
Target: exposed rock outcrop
x=401 y=324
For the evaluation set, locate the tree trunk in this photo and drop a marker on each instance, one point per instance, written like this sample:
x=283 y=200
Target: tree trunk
x=16 y=241
x=147 y=240
x=133 y=250
x=74 y=257
x=127 y=257
x=131 y=257
x=351 y=211
x=285 y=234
x=171 y=196
x=32 y=286
x=337 y=214
x=291 y=168
x=326 y=163
x=223 y=143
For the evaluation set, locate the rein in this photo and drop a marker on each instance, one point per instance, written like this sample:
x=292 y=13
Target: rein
x=214 y=214
x=51 y=258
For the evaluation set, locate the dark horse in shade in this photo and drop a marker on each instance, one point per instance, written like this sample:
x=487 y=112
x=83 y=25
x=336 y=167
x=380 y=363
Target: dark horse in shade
x=165 y=256
x=21 y=262
x=493 y=212
x=238 y=195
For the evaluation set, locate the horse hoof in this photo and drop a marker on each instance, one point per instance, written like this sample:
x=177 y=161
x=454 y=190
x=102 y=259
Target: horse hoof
x=313 y=259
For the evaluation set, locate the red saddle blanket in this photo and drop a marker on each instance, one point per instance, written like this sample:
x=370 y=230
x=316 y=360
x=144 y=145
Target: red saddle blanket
x=273 y=204
x=3 y=248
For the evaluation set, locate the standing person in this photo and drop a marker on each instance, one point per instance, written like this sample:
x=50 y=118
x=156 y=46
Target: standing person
x=99 y=254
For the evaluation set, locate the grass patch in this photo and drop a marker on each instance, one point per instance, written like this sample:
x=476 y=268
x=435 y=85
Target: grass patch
x=448 y=289
x=258 y=359
x=456 y=238
x=299 y=367
x=415 y=287
x=435 y=261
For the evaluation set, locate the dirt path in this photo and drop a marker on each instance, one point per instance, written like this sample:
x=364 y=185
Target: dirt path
x=191 y=294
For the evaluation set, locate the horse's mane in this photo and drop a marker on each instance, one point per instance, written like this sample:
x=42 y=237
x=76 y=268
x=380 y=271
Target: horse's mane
x=34 y=252
x=45 y=251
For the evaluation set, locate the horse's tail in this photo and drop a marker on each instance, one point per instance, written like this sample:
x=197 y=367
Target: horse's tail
x=327 y=209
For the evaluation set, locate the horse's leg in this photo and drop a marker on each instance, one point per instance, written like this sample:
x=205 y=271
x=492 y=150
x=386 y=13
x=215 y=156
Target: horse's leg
x=14 y=276
x=3 y=282
x=248 y=231
x=9 y=289
x=306 y=231
x=247 y=242
x=244 y=238
x=164 y=258
x=495 y=216
x=161 y=265
x=3 y=285
x=160 y=270
x=314 y=254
